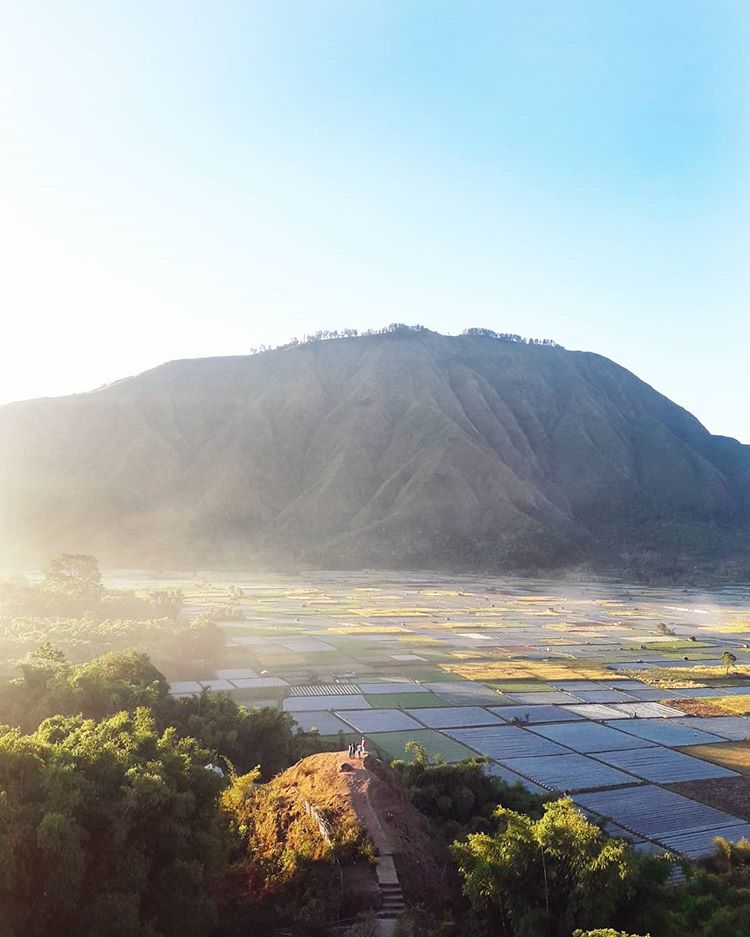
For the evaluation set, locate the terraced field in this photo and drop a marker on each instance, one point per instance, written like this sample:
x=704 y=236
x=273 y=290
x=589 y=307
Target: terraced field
x=564 y=688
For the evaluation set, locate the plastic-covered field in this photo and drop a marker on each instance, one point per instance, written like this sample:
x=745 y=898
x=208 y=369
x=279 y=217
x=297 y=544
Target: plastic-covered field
x=602 y=696
x=667 y=732
x=501 y=742
x=216 y=685
x=542 y=696
x=658 y=814
x=664 y=766
x=258 y=683
x=307 y=645
x=312 y=703
x=378 y=720
x=534 y=714
x=510 y=777
x=236 y=673
x=324 y=689
x=702 y=842
x=450 y=717
x=589 y=737
x=596 y=711
x=645 y=711
x=392 y=687
x=574 y=686
x=734 y=728
x=460 y=693
x=326 y=723
x=654 y=694
x=185 y=687
x=571 y=772
x=434 y=743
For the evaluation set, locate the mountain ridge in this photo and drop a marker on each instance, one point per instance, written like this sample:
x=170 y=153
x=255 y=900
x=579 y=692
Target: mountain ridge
x=404 y=448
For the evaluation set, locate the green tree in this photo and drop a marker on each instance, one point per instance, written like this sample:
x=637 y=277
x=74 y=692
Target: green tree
x=107 y=830
x=728 y=660
x=544 y=877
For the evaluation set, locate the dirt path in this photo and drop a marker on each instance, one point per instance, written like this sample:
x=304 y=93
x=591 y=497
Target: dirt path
x=360 y=784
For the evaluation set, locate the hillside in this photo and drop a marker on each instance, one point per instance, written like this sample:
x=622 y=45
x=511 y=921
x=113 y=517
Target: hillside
x=329 y=807
x=405 y=449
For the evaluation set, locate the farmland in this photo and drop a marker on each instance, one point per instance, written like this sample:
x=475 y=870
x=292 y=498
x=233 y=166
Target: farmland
x=563 y=687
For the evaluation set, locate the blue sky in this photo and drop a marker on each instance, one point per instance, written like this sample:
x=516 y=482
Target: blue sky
x=185 y=179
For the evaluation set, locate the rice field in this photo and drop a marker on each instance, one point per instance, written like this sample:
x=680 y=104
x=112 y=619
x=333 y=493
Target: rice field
x=562 y=686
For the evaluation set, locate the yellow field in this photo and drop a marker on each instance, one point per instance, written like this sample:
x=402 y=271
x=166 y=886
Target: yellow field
x=739 y=705
x=734 y=755
x=526 y=670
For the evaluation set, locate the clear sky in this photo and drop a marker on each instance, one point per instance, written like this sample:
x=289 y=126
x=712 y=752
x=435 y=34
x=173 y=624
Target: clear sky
x=195 y=178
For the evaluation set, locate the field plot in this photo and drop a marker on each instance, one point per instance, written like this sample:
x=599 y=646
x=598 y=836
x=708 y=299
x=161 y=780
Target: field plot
x=570 y=772
x=587 y=737
x=295 y=704
x=450 y=717
x=602 y=696
x=466 y=693
x=663 y=765
x=657 y=814
x=734 y=728
x=549 y=697
x=434 y=743
x=666 y=732
x=325 y=722
x=403 y=700
x=510 y=777
x=378 y=720
x=535 y=714
x=645 y=711
x=734 y=755
x=501 y=742
x=391 y=687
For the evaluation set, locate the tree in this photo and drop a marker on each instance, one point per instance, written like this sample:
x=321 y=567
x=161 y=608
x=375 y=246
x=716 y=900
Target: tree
x=544 y=877
x=604 y=932
x=728 y=660
x=107 y=830
x=49 y=685
x=74 y=574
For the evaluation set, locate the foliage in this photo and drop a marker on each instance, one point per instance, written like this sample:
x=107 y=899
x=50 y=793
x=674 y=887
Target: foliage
x=50 y=685
x=510 y=337
x=71 y=609
x=604 y=932
x=266 y=737
x=544 y=877
x=460 y=798
x=72 y=588
x=113 y=824
x=728 y=660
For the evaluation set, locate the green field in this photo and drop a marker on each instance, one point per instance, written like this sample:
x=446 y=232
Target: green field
x=434 y=743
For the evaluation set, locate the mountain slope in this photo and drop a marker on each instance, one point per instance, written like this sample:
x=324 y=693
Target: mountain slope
x=395 y=449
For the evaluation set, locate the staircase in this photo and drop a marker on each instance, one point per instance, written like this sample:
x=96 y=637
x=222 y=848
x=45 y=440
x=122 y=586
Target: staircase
x=392 y=898
x=393 y=902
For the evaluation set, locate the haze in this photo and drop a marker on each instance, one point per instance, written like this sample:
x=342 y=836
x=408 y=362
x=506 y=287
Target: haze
x=186 y=179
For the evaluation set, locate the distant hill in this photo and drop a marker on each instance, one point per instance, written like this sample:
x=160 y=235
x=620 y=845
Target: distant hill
x=404 y=449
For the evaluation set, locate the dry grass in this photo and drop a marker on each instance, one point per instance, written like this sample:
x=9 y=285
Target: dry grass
x=739 y=705
x=734 y=755
x=524 y=670
x=677 y=677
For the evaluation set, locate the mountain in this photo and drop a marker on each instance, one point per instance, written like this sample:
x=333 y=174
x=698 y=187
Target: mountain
x=407 y=448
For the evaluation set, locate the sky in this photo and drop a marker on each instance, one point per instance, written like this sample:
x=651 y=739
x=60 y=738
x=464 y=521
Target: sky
x=182 y=179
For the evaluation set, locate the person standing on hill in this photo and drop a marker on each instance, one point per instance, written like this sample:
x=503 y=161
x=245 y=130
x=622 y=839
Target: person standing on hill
x=363 y=747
